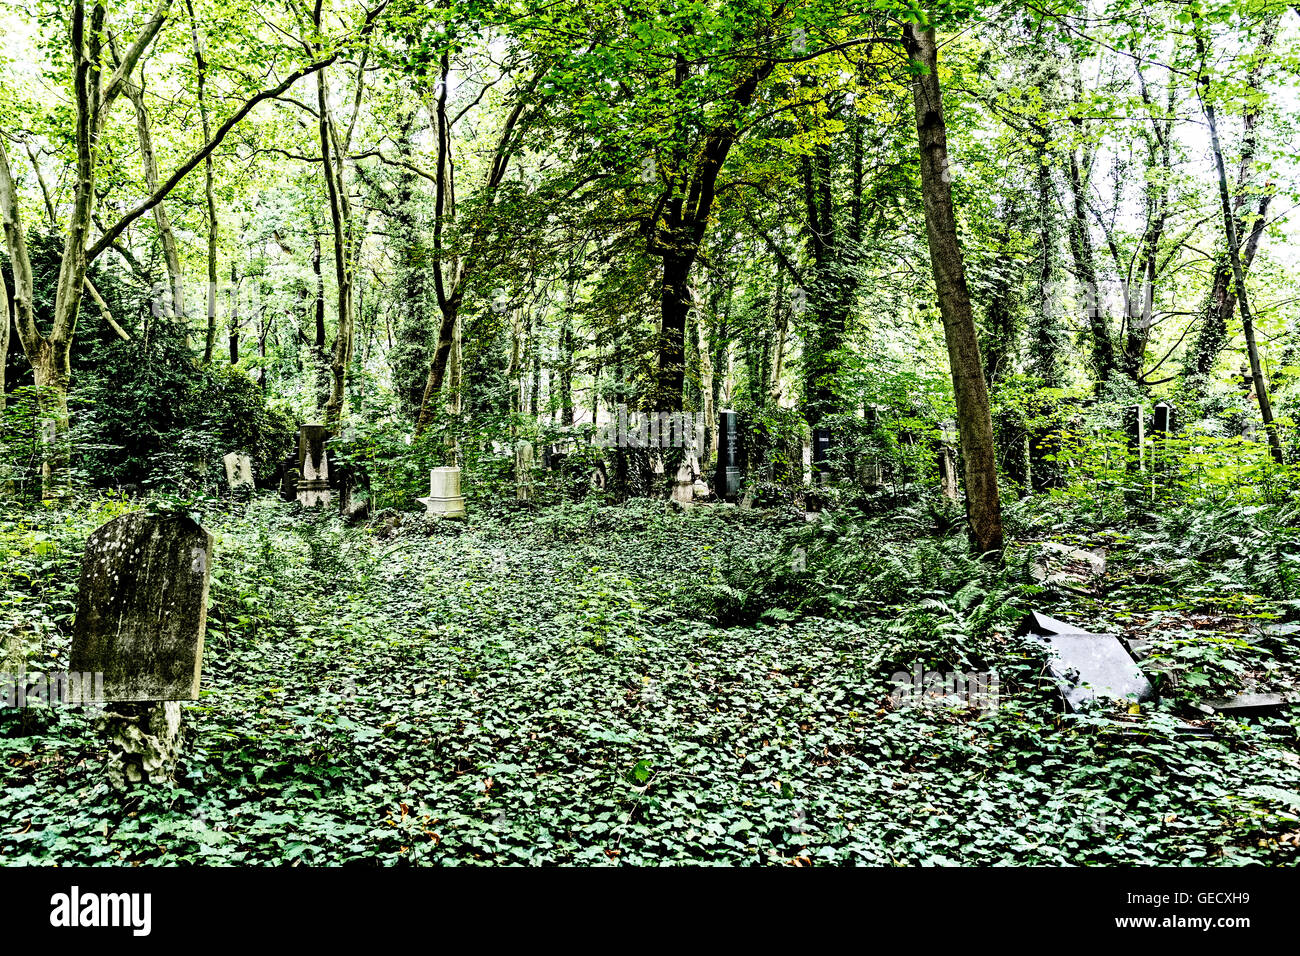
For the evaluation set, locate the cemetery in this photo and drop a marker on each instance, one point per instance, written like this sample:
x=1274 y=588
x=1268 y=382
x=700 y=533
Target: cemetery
x=414 y=451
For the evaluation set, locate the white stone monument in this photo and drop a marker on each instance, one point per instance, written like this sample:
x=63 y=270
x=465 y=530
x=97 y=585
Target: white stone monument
x=444 y=499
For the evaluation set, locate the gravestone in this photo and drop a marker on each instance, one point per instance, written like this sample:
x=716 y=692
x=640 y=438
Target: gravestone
x=1087 y=666
x=1163 y=423
x=684 y=486
x=239 y=474
x=728 y=472
x=289 y=476
x=1135 y=428
x=948 y=472
x=821 y=454
x=444 y=499
x=142 y=608
x=313 y=488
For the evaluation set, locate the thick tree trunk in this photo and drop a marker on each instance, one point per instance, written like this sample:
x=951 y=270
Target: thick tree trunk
x=1085 y=271
x=5 y=324
x=675 y=304
x=983 y=506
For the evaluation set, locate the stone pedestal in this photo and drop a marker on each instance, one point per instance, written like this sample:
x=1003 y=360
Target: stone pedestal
x=444 y=499
x=313 y=489
x=143 y=743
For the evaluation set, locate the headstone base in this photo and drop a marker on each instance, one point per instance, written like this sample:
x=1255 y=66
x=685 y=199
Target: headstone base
x=444 y=507
x=143 y=742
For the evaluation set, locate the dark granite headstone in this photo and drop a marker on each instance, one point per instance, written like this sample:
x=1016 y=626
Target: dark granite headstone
x=142 y=607
x=821 y=453
x=728 y=473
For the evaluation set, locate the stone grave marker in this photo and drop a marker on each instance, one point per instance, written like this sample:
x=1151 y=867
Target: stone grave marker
x=239 y=474
x=821 y=454
x=728 y=472
x=444 y=499
x=1135 y=427
x=684 y=485
x=1087 y=666
x=313 y=466
x=948 y=472
x=142 y=608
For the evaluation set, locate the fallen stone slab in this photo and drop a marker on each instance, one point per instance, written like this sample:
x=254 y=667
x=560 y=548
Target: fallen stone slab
x=1249 y=705
x=1087 y=666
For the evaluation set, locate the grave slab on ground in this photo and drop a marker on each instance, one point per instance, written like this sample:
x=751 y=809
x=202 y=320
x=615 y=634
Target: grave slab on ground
x=1087 y=666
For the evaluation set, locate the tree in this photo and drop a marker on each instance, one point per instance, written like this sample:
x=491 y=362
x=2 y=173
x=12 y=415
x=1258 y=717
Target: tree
x=975 y=424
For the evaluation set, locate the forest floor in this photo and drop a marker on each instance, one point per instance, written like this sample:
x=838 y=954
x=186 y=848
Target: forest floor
x=613 y=685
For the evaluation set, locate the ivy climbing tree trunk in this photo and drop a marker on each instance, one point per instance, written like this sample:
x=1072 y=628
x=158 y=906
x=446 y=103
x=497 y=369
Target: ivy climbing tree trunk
x=983 y=506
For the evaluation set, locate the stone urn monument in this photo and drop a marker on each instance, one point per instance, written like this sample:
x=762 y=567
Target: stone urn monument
x=444 y=494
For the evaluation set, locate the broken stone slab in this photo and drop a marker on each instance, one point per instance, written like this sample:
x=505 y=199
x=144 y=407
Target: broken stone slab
x=1250 y=705
x=1054 y=557
x=1042 y=624
x=445 y=499
x=1086 y=666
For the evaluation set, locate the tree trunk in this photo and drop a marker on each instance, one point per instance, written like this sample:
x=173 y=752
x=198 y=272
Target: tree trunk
x=983 y=507
x=201 y=67
x=1239 y=281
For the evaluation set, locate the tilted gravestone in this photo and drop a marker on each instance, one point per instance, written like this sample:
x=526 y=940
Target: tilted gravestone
x=142 y=608
x=239 y=474
x=1086 y=665
x=445 y=499
x=313 y=466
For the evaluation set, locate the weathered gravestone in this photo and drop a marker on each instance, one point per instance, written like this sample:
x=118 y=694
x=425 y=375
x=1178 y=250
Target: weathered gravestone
x=313 y=466
x=289 y=476
x=142 y=609
x=948 y=472
x=1087 y=666
x=239 y=474
x=727 y=482
x=444 y=499
x=684 y=485
x=821 y=454
x=1135 y=427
